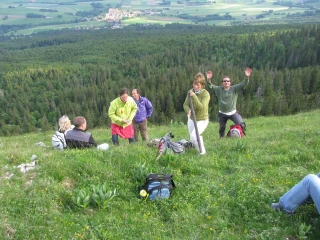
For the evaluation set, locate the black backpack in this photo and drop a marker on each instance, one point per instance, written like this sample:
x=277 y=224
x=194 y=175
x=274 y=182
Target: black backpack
x=158 y=186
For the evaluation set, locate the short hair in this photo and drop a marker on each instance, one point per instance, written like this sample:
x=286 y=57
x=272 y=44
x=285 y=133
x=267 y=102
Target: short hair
x=64 y=123
x=199 y=78
x=78 y=121
x=123 y=91
x=227 y=77
x=138 y=91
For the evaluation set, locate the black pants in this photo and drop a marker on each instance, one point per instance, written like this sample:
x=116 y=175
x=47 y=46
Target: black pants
x=115 y=139
x=235 y=118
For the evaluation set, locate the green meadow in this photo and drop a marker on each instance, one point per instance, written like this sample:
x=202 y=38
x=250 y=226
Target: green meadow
x=244 y=12
x=225 y=194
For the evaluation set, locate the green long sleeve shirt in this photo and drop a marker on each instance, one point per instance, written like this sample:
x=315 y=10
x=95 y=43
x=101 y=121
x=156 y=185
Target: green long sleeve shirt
x=200 y=104
x=227 y=99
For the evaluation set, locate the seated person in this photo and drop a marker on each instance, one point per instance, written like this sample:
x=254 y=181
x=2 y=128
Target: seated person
x=305 y=192
x=58 y=138
x=78 y=137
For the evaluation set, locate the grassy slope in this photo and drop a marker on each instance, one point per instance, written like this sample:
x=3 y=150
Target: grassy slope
x=223 y=195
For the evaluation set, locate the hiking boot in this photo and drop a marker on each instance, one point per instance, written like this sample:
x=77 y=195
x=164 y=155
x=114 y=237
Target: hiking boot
x=277 y=207
x=132 y=140
x=115 y=140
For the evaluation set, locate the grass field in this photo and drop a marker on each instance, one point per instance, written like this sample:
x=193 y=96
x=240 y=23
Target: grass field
x=225 y=194
x=14 y=13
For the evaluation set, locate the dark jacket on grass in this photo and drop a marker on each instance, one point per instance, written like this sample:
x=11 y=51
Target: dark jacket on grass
x=77 y=138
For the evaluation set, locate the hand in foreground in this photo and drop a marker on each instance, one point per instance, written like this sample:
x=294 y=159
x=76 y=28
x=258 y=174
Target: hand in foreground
x=248 y=72
x=209 y=76
x=126 y=120
x=191 y=93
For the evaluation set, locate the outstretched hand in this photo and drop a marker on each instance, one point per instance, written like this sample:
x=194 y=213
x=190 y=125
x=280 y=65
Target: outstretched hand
x=248 y=72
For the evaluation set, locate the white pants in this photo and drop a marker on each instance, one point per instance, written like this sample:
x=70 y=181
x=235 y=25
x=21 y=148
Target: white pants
x=202 y=125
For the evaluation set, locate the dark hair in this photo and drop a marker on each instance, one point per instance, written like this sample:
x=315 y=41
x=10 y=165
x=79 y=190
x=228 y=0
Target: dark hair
x=123 y=91
x=138 y=91
x=78 y=121
x=227 y=77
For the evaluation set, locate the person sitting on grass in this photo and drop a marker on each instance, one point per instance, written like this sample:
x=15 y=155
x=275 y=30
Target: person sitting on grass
x=78 y=137
x=305 y=192
x=58 y=138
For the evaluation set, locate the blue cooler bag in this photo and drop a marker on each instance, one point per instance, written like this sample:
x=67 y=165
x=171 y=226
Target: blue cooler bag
x=159 y=186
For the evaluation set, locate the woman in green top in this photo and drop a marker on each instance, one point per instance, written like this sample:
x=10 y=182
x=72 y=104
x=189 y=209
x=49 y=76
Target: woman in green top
x=227 y=99
x=200 y=98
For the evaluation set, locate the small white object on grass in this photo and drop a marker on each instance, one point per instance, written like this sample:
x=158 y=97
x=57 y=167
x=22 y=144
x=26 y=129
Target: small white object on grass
x=103 y=146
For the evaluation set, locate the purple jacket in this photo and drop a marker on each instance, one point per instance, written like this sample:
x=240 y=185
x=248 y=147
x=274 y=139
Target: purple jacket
x=144 y=109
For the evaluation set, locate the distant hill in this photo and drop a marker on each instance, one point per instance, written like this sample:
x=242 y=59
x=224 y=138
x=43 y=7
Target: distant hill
x=79 y=72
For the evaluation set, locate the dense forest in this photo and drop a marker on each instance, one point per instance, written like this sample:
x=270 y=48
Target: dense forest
x=71 y=72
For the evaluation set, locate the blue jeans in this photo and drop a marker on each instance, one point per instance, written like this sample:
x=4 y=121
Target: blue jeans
x=308 y=187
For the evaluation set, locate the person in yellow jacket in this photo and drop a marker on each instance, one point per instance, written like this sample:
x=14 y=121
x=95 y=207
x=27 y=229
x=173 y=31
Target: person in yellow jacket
x=121 y=112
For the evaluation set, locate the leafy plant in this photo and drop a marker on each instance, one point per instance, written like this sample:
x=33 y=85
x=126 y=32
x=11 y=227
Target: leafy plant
x=303 y=230
x=139 y=172
x=101 y=195
x=82 y=198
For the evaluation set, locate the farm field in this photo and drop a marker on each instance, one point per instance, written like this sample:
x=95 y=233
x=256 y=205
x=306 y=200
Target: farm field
x=61 y=14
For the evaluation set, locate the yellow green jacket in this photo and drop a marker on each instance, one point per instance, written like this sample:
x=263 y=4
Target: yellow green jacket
x=119 y=111
x=200 y=105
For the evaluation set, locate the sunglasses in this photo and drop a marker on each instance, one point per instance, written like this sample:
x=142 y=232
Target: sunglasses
x=226 y=81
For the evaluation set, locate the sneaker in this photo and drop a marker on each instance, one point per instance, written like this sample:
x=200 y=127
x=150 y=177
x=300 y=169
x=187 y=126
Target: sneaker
x=277 y=207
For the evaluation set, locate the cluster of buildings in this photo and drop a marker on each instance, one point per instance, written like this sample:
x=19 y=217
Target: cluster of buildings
x=116 y=15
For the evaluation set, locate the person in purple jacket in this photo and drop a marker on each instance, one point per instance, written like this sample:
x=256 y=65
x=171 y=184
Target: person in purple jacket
x=143 y=114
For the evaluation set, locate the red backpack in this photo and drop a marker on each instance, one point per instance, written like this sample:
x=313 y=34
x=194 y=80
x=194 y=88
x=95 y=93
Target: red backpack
x=235 y=131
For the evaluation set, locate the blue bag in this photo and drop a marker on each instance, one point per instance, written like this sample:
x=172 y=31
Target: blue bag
x=159 y=186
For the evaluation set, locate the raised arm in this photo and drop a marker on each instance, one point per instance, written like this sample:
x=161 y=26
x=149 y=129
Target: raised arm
x=247 y=72
x=209 y=77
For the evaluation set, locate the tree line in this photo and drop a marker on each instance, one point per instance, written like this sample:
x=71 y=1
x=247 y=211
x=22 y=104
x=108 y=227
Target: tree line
x=81 y=72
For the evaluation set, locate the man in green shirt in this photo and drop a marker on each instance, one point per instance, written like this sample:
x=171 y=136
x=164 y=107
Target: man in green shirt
x=227 y=99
